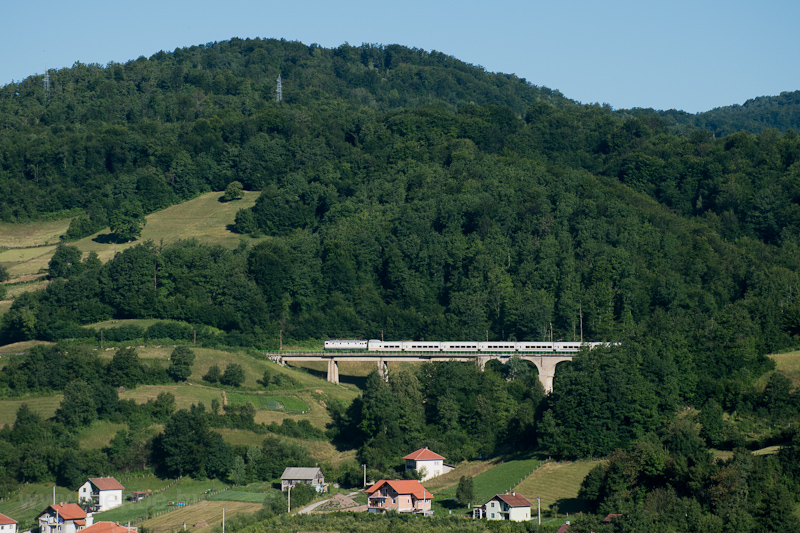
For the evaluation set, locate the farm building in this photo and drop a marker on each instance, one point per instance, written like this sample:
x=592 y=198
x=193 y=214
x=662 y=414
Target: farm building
x=310 y=476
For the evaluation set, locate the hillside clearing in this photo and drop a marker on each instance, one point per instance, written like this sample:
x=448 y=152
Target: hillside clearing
x=205 y=218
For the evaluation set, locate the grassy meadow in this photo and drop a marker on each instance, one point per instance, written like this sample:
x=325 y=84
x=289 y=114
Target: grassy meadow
x=204 y=218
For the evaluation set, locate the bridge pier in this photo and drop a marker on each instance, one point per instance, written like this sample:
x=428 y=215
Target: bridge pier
x=546 y=365
x=383 y=369
x=333 y=371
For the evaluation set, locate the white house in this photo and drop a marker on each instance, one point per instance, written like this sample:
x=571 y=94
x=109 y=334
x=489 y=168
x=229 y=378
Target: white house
x=430 y=464
x=63 y=518
x=104 y=492
x=7 y=525
x=508 y=506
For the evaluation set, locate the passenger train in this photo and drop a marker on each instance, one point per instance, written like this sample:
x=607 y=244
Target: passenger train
x=456 y=346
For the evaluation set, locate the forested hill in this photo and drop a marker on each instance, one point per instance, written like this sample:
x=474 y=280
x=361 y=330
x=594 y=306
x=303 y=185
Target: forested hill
x=194 y=119
x=756 y=115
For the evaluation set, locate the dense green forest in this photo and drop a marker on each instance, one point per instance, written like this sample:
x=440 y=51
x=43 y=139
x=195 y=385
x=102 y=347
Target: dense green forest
x=756 y=115
x=409 y=193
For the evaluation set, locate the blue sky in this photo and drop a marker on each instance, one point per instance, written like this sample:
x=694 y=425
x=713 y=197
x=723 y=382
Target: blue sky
x=689 y=55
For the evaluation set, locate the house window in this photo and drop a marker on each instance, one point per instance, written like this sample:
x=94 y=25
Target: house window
x=492 y=515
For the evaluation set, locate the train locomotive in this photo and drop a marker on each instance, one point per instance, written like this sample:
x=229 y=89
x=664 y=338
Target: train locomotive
x=456 y=346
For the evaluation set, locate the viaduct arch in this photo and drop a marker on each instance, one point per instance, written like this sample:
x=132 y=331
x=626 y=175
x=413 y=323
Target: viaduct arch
x=545 y=364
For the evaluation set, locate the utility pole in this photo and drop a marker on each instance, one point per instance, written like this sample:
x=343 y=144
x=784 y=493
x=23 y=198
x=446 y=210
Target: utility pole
x=539 y=504
x=365 y=476
x=223 y=520
x=290 y=501
x=279 y=90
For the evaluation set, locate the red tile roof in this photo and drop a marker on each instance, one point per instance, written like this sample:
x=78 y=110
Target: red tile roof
x=106 y=483
x=403 y=486
x=423 y=454
x=108 y=527
x=6 y=520
x=514 y=499
x=67 y=511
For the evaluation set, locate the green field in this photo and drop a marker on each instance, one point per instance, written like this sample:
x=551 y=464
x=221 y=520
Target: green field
x=557 y=483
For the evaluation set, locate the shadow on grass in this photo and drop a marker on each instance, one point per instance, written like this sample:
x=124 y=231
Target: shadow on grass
x=571 y=505
x=358 y=381
x=106 y=238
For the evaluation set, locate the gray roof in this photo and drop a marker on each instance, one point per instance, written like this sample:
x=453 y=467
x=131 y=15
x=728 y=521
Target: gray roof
x=301 y=473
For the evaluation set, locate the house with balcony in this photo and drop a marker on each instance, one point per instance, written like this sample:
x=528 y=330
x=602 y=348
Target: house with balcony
x=508 y=506
x=102 y=493
x=426 y=462
x=402 y=495
x=7 y=525
x=64 y=518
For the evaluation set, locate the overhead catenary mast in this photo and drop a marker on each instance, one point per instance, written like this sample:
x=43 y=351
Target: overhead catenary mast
x=279 y=90
x=46 y=86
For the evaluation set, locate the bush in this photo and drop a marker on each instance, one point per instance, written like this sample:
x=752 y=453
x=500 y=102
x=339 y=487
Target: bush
x=213 y=375
x=234 y=375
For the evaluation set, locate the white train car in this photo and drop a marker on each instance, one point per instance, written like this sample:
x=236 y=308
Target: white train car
x=497 y=346
x=346 y=345
x=459 y=346
x=385 y=346
x=422 y=346
x=532 y=346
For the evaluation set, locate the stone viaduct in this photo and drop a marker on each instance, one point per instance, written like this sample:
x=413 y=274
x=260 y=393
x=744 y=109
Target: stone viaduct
x=545 y=364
